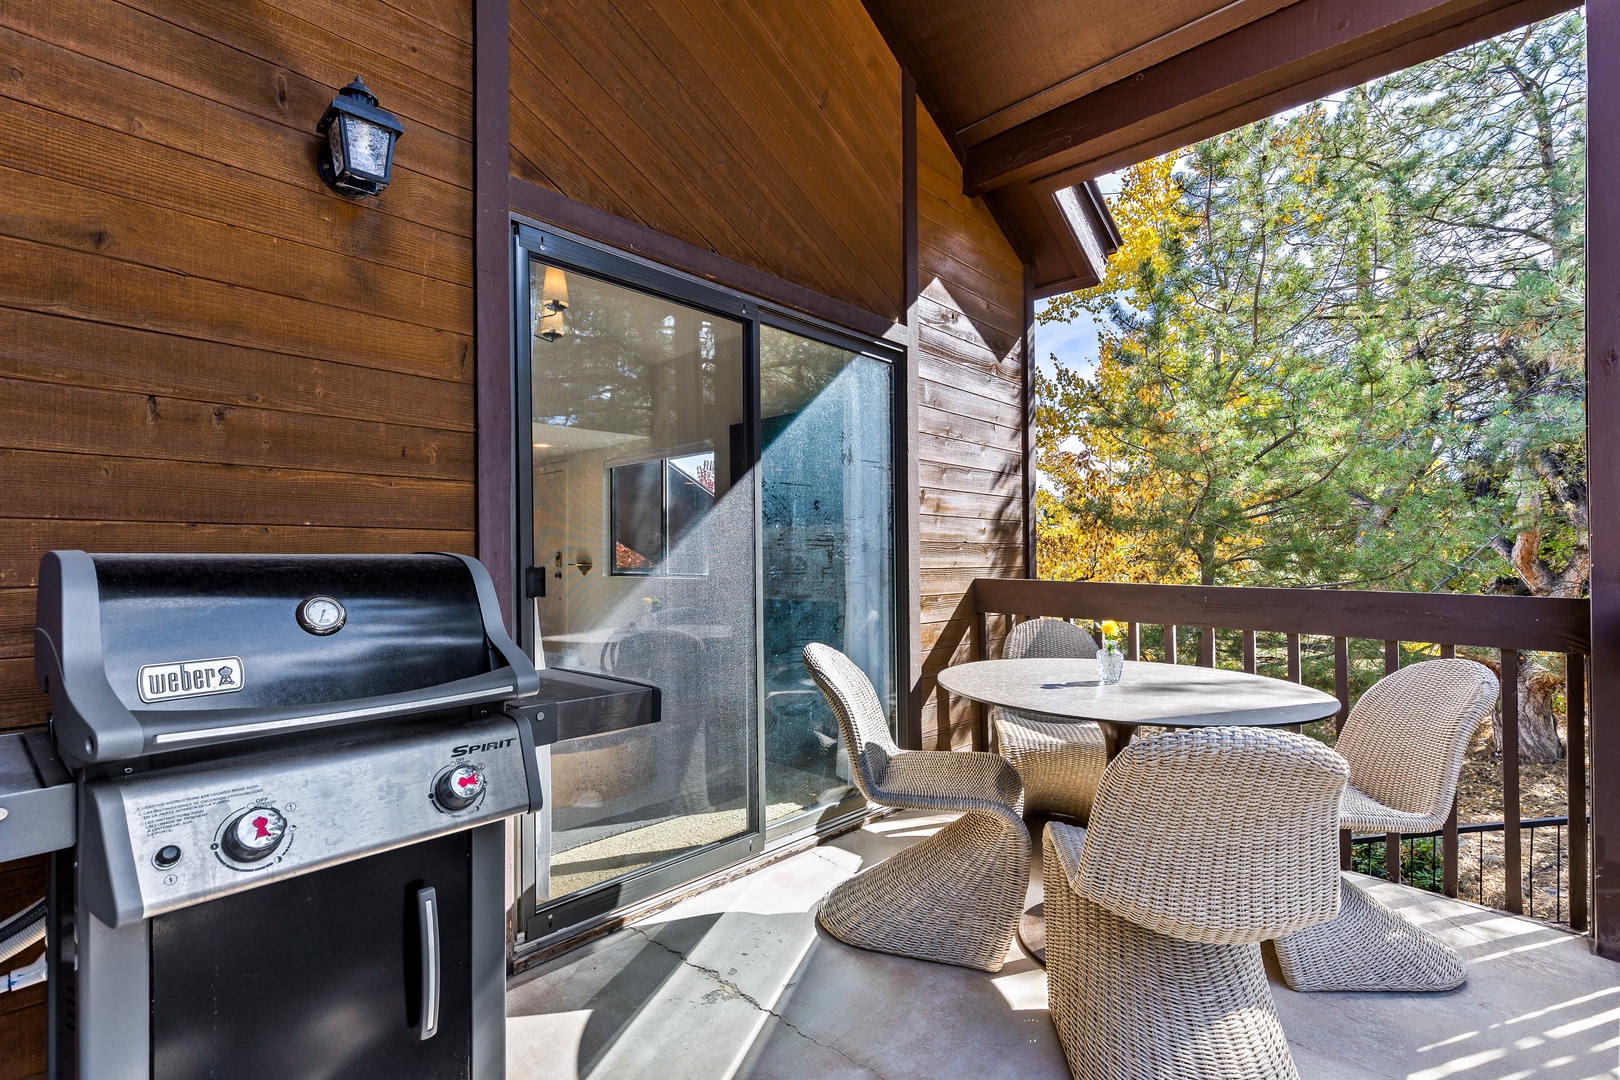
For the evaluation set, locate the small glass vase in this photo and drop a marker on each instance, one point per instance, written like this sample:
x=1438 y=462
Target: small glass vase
x=1110 y=664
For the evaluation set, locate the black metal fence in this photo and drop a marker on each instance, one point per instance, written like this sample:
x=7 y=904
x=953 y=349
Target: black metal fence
x=1422 y=866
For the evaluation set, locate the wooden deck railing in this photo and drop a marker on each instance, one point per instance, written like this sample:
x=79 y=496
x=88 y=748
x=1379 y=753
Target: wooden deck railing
x=1509 y=625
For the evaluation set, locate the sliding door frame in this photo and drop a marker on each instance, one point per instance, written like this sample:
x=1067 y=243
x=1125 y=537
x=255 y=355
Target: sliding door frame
x=543 y=923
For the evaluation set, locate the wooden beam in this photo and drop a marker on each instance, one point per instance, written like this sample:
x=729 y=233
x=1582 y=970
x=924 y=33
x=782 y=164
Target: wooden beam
x=907 y=502
x=492 y=288
x=1603 y=458
x=1294 y=55
x=1031 y=563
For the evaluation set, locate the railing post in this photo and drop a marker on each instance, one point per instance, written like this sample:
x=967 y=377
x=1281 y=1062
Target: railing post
x=1575 y=760
x=1512 y=855
x=981 y=733
x=1448 y=853
x=1206 y=646
x=1392 y=858
x=1341 y=681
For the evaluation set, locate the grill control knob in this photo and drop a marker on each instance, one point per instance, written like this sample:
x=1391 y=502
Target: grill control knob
x=459 y=788
x=254 y=834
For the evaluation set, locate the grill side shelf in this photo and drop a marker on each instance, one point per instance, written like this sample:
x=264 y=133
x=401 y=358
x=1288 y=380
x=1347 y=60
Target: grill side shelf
x=36 y=798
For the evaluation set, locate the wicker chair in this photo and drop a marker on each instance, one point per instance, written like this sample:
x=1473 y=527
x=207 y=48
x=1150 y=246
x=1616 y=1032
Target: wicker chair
x=956 y=897
x=1202 y=844
x=1405 y=742
x=1059 y=763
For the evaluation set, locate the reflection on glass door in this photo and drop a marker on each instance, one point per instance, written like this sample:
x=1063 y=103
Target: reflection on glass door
x=827 y=515
x=644 y=524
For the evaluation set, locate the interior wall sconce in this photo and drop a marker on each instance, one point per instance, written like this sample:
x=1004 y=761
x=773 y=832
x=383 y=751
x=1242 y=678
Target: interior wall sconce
x=358 y=158
x=553 y=304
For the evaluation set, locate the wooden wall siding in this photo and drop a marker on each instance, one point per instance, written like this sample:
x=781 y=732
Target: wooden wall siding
x=970 y=442
x=767 y=133
x=201 y=347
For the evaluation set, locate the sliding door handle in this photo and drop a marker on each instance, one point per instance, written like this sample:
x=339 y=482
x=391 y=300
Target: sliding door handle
x=427 y=921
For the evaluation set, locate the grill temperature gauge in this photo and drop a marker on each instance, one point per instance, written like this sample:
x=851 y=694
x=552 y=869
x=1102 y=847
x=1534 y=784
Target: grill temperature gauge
x=459 y=788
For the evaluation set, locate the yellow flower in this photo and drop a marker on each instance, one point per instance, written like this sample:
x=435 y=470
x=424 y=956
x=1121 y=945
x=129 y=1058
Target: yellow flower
x=1112 y=629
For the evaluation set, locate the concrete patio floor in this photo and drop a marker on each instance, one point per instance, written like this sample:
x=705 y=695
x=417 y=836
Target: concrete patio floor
x=739 y=982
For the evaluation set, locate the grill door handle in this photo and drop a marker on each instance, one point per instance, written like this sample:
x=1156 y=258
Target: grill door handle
x=427 y=920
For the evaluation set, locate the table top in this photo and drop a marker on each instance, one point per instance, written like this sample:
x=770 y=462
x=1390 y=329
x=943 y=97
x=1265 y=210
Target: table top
x=1162 y=695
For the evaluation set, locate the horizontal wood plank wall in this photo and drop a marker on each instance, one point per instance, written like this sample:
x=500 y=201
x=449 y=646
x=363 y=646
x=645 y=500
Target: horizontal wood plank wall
x=970 y=443
x=201 y=346
x=766 y=133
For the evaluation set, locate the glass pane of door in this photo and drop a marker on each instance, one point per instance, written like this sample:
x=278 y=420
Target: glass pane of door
x=827 y=514
x=644 y=523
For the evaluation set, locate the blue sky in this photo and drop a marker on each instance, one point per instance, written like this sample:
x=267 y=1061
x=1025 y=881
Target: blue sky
x=1075 y=344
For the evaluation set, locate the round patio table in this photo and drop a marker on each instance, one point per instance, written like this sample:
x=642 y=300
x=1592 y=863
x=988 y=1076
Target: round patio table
x=1147 y=695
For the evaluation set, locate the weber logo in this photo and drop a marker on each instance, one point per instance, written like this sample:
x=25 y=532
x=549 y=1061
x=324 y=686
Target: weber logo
x=474 y=748
x=190 y=678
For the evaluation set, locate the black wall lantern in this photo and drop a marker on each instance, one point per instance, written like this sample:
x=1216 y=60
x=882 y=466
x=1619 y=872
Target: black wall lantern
x=358 y=157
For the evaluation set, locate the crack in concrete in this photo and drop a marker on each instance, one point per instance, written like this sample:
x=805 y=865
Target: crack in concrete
x=726 y=990
x=818 y=853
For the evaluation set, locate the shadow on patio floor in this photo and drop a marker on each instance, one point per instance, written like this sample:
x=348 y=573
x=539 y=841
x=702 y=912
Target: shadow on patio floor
x=739 y=982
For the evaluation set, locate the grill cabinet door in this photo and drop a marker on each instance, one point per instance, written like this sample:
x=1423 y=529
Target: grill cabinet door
x=317 y=976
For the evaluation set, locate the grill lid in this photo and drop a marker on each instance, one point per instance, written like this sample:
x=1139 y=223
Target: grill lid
x=144 y=654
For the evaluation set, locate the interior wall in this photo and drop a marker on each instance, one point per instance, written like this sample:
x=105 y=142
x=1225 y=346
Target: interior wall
x=201 y=346
x=970 y=418
x=766 y=133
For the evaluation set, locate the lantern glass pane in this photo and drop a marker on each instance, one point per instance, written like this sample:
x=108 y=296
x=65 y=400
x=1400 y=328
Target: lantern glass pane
x=334 y=139
x=367 y=146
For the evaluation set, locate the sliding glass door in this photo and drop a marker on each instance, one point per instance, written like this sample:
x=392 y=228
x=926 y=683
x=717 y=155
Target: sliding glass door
x=706 y=488
x=827 y=515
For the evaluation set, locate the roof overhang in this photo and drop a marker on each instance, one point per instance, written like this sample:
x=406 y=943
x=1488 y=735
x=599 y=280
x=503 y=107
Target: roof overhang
x=1040 y=101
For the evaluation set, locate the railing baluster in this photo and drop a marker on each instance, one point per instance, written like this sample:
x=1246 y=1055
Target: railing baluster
x=1392 y=856
x=1341 y=680
x=1530 y=877
x=1293 y=658
x=1133 y=641
x=1248 y=651
x=1512 y=856
x=1558 y=874
x=1448 y=652
x=1575 y=756
x=1206 y=646
x=1448 y=853
x=1392 y=657
x=1169 y=644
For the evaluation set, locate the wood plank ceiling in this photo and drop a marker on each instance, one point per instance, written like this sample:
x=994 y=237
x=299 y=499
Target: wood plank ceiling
x=1039 y=102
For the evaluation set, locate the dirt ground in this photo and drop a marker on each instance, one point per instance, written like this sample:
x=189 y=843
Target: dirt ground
x=1543 y=792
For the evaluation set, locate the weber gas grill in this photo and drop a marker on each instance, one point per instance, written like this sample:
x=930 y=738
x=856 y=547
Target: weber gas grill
x=289 y=775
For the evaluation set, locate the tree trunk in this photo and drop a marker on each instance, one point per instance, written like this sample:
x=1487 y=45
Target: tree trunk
x=1538 y=719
